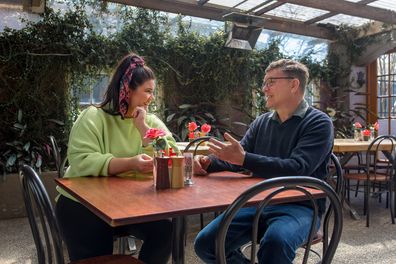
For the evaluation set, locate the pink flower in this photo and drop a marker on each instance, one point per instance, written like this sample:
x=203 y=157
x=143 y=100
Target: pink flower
x=358 y=125
x=154 y=133
x=192 y=126
x=376 y=126
x=205 y=128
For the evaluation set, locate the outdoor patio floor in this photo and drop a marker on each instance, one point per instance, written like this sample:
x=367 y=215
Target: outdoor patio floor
x=359 y=244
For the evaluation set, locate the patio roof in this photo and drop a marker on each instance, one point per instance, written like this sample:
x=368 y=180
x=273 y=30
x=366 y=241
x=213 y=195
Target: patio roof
x=304 y=17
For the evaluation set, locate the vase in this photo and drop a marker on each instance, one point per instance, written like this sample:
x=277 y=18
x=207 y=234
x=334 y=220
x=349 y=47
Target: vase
x=357 y=135
x=161 y=172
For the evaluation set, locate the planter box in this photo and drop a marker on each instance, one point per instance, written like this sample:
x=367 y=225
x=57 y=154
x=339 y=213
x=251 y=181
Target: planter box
x=11 y=200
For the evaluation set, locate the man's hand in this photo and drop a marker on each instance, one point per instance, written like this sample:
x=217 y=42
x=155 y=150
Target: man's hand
x=232 y=153
x=201 y=164
x=143 y=163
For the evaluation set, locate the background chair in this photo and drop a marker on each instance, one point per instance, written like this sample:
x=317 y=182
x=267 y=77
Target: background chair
x=44 y=226
x=56 y=154
x=279 y=185
x=377 y=173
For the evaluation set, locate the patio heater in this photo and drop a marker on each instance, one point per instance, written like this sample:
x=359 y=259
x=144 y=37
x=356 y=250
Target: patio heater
x=244 y=32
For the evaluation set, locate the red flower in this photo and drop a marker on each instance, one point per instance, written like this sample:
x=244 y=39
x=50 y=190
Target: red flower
x=154 y=133
x=205 y=128
x=366 y=132
x=376 y=126
x=357 y=125
x=192 y=126
x=191 y=135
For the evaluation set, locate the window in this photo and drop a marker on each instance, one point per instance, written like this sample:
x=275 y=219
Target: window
x=386 y=93
x=96 y=91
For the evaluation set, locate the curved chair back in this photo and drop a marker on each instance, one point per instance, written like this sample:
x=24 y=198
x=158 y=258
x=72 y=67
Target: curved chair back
x=374 y=148
x=56 y=155
x=281 y=184
x=339 y=187
x=199 y=141
x=46 y=233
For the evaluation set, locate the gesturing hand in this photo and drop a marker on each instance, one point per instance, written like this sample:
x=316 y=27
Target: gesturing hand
x=144 y=163
x=201 y=164
x=232 y=153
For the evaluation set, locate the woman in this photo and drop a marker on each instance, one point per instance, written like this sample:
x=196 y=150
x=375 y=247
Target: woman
x=109 y=140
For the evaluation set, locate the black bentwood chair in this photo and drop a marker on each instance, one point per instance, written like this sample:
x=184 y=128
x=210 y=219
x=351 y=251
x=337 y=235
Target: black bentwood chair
x=44 y=226
x=198 y=142
x=281 y=184
x=378 y=173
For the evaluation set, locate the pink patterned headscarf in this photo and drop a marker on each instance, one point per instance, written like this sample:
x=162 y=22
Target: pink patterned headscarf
x=123 y=99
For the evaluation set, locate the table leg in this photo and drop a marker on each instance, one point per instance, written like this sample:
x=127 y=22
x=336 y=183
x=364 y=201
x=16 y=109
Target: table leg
x=179 y=230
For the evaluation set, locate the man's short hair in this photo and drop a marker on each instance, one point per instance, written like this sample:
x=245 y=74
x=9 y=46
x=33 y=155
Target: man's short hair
x=293 y=69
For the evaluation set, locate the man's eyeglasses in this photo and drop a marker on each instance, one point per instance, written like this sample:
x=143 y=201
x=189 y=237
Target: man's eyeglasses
x=270 y=81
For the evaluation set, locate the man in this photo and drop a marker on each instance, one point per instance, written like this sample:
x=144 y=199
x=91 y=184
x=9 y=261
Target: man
x=294 y=139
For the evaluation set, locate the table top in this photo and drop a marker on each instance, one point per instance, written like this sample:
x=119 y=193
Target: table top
x=351 y=145
x=121 y=201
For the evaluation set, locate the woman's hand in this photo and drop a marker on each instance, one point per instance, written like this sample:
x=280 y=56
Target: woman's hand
x=143 y=163
x=139 y=120
x=139 y=116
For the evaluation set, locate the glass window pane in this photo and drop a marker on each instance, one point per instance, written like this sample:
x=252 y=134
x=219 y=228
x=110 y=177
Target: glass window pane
x=99 y=89
x=393 y=109
x=382 y=64
x=393 y=84
x=382 y=107
x=382 y=85
x=392 y=58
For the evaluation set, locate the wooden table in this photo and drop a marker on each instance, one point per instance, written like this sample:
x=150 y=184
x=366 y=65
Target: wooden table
x=347 y=145
x=122 y=201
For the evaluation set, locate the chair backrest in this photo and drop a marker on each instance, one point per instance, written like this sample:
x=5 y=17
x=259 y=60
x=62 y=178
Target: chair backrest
x=339 y=181
x=56 y=154
x=199 y=141
x=339 y=189
x=281 y=184
x=45 y=229
x=373 y=151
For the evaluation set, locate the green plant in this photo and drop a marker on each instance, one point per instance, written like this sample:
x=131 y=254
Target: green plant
x=177 y=120
x=20 y=149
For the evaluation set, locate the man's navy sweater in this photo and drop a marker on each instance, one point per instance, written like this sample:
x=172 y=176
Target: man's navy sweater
x=300 y=146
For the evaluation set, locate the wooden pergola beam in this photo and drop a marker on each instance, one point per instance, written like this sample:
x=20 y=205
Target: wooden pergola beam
x=330 y=14
x=190 y=8
x=349 y=8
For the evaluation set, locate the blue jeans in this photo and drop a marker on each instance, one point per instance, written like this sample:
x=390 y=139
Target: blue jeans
x=282 y=230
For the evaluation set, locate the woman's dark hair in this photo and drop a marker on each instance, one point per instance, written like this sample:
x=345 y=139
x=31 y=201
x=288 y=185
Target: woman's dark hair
x=140 y=75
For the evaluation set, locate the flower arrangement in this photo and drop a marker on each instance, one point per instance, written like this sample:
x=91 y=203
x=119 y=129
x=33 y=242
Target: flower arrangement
x=192 y=126
x=159 y=143
x=357 y=125
x=366 y=134
x=357 y=135
x=192 y=133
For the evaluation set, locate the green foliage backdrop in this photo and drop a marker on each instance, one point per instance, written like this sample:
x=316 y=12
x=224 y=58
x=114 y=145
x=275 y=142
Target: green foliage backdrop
x=44 y=65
